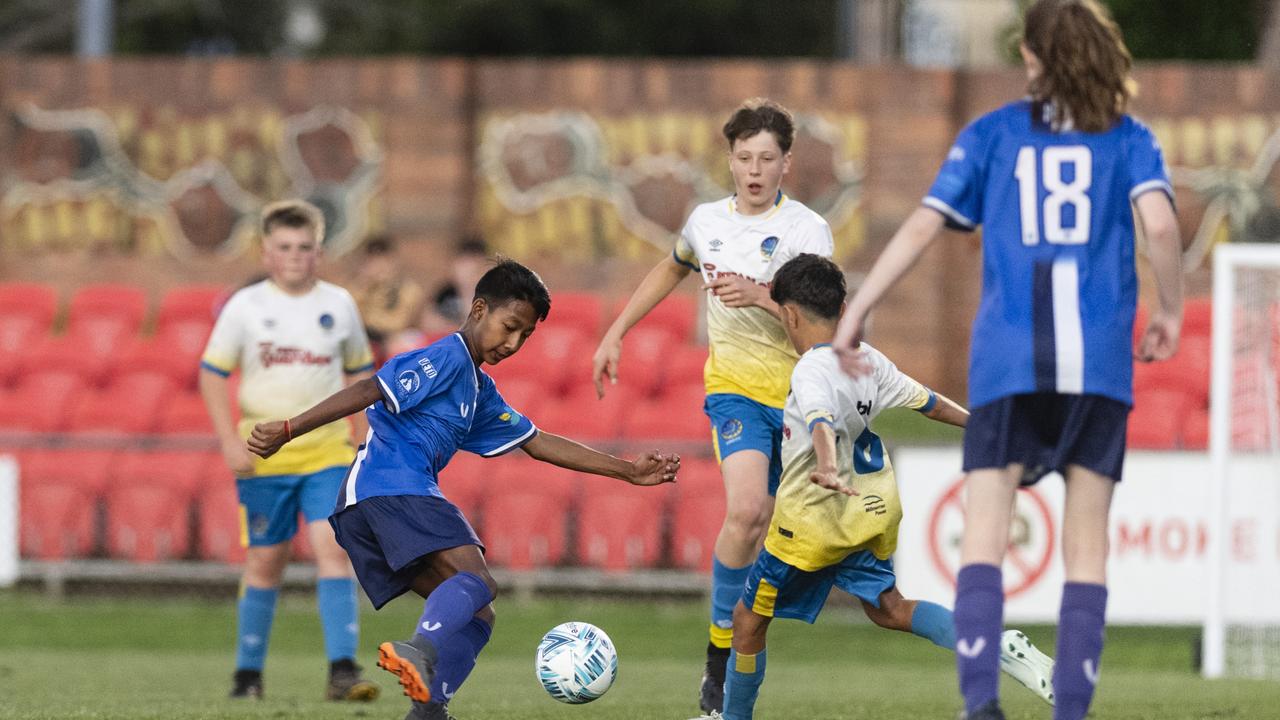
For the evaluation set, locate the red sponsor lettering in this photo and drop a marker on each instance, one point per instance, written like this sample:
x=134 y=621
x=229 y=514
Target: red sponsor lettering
x=1170 y=538
x=715 y=275
x=1243 y=541
x=270 y=354
x=1129 y=540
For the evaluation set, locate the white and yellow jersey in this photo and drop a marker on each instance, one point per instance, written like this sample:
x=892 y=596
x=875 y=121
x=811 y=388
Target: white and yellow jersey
x=292 y=352
x=813 y=527
x=749 y=353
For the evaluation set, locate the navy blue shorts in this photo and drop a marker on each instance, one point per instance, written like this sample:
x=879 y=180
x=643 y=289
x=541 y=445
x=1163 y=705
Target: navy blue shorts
x=1046 y=432
x=386 y=538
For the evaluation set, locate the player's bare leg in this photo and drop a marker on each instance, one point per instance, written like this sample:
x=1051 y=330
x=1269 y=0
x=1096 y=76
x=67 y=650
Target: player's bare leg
x=746 y=663
x=1084 y=597
x=263 y=568
x=979 y=611
x=345 y=681
x=748 y=507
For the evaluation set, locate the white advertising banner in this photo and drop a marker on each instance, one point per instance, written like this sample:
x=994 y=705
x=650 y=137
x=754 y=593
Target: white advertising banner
x=1159 y=567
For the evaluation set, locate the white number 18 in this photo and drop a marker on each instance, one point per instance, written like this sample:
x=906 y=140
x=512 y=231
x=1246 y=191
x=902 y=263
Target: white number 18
x=1059 y=193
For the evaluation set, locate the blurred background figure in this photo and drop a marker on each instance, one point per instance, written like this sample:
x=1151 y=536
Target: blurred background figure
x=390 y=302
x=453 y=298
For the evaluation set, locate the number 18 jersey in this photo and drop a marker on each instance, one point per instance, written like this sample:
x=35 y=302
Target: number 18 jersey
x=1059 y=288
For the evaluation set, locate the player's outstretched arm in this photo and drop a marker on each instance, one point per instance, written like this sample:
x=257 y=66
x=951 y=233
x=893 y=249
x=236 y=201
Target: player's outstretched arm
x=827 y=474
x=655 y=286
x=946 y=410
x=268 y=437
x=1164 y=248
x=651 y=468
x=906 y=246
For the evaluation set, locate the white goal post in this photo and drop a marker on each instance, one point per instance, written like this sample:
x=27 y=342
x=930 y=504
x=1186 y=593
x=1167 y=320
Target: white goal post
x=1242 y=618
x=8 y=521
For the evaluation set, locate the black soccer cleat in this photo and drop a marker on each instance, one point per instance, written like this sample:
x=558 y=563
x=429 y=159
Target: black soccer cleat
x=346 y=683
x=246 y=684
x=990 y=711
x=429 y=711
x=711 y=695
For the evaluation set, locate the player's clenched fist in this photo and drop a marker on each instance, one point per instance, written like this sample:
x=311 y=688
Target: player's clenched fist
x=268 y=437
x=654 y=468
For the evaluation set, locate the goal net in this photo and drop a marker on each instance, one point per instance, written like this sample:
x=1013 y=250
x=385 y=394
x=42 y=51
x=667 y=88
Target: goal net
x=1242 y=619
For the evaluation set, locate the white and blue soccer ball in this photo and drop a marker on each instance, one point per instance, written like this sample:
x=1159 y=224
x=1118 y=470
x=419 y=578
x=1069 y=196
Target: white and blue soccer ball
x=576 y=662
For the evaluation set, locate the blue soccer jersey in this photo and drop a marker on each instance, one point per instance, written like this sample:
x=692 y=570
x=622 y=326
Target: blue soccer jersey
x=1059 y=287
x=435 y=401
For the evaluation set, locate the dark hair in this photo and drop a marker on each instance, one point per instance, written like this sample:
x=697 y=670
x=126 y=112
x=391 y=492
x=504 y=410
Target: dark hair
x=1085 y=63
x=812 y=282
x=508 y=281
x=293 y=214
x=380 y=244
x=757 y=115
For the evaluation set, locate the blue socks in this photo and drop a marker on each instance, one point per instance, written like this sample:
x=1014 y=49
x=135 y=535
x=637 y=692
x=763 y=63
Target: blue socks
x=1080 y=637
x=934 y=623
x=979 y=617
x=726 y=589
x=255 y=611
x=450 y=607
x=336 y=598
x=458 y=654
x=742 y=684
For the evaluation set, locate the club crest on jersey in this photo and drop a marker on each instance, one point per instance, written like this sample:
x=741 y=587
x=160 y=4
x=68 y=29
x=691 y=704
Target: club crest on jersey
x=768 y=245
x=731 y=429
x=326 y=321
x=409 y=382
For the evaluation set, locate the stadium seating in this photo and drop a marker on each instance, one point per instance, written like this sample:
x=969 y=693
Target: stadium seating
x=676 y=416
x=698 y=513
x=1195 y=429
x=526 y=513
x=219 y=523
x=645 y=354
x=676 y=315
x=39 y=403
x=1156 y=420
x=184 y=414
x=620 y=527
x=131 y=405
x=149 y=504
x=465 y=484
x=579 y=310
x=526 y=396
x=684 y=366
x=26 y=313
x=100 y=305
x=199 y=303
x=57 y=522
x=583 y=416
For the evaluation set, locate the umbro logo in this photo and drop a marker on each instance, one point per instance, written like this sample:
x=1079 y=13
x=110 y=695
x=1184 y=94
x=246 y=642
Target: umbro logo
x=430 y=626
x=715 y=244
x=971 y=650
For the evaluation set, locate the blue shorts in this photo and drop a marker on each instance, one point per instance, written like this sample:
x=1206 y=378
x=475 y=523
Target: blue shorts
x=740 y=423
x=1046 y=432
x=776 y=589
x=271 y=503
x=387 y=536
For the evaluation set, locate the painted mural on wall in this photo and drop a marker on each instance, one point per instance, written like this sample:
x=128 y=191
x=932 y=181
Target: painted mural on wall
x=588 y=187
x=1226 y=171
x=148 y=180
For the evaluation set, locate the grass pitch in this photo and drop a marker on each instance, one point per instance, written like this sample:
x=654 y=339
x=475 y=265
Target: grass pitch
x=157 y=657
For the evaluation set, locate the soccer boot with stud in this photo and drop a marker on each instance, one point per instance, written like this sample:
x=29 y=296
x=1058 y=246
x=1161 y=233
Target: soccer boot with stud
x=246 y=684
x=429 y=711
x=346 y=683
x=990 y=711
x=413 y=664
x=1025 y=663
x=711 y=694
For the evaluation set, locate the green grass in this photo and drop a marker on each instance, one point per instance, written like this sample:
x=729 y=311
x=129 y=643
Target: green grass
x=171 y=658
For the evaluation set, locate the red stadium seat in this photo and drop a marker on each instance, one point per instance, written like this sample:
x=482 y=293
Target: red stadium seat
x=184 y=471
x=1197 y=317
x=676 y=315
x=524 y=395
x=107 y=305
x=526 y=513
x=184 y=414
x=1187 y=371
x=684 y=366
x=39 y=403
x=218 y=518
x=161 y=355
x=71 y=354
x=1195 y=429
x=646 y=351
x=465 y=482
x=581 y=415
x=131 y=405
x=26 y=313
x=694 y=526
x=1156 y=420
x=148 y=522
x=198 y=303
x=57 y=521
x=677 y=415
x=620 y=527
x=699 y=476
x=87 y=470
x=583 y=311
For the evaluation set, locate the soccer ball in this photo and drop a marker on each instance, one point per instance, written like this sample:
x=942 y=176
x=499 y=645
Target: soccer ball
x=576 y=662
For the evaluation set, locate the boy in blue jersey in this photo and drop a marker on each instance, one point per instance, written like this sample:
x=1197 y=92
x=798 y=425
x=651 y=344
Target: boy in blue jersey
x=836 y=519
x=391 y=517
x=1054 y=180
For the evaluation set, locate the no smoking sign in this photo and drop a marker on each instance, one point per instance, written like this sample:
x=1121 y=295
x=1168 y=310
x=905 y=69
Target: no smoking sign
x=1031 y=538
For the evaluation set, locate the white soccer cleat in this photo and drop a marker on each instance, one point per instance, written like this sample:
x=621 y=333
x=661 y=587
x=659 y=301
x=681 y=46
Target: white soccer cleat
x=1025 y=663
